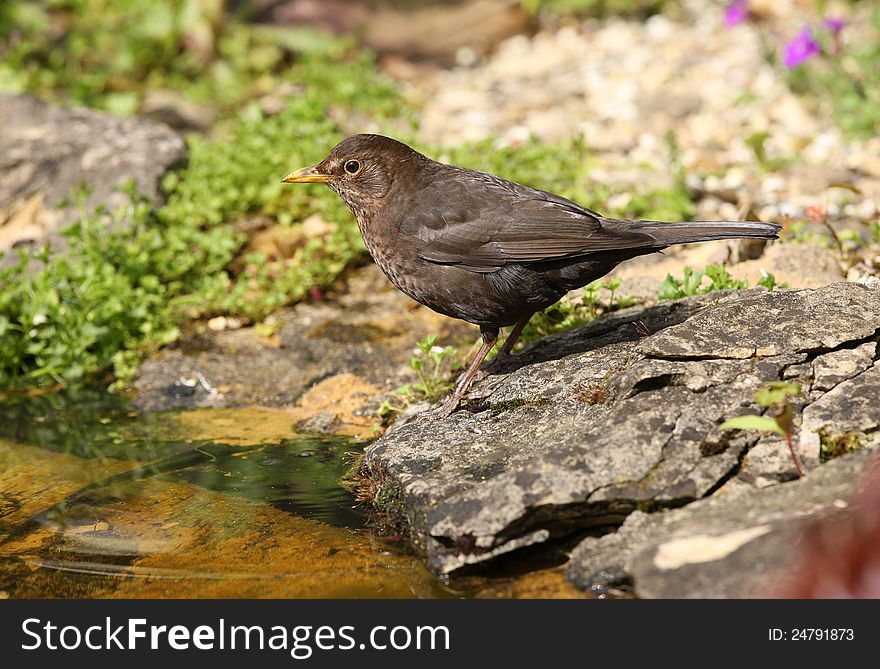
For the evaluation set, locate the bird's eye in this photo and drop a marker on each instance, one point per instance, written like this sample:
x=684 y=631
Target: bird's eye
x=352 y=166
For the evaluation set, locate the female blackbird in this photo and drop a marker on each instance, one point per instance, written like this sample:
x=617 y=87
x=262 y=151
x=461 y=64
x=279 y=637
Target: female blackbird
x=480 y=248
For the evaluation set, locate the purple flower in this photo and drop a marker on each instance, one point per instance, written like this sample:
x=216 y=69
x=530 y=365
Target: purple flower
x=801 y=48
x=834 y=25
x=737 y=12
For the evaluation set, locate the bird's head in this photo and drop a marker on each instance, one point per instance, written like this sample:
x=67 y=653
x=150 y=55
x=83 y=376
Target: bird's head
x=361 y=169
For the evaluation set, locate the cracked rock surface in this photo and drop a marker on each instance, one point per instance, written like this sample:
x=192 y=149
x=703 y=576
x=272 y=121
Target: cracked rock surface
x=726 y=546
x=589 y=426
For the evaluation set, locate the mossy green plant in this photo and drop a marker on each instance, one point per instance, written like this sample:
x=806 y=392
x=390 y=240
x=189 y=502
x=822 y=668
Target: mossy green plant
x=510 y=405
x=108 y=302
x=834 y=445
x=701 y=282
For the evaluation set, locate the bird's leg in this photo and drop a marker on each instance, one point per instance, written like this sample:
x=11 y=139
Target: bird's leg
x=503 y=354
x=450 y=405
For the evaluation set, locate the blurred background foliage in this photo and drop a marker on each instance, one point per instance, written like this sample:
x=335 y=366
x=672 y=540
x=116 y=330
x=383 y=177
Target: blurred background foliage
x=106 y=54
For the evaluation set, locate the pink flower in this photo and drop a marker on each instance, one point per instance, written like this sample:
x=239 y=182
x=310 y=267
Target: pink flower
x=834 y=25
x=801 y=48
x=737 y=12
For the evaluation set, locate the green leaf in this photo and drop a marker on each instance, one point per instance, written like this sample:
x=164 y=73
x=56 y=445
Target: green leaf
x=775 y=392
x=762 y=423
x=612 y=283
x=670 y=289
x=692 y=280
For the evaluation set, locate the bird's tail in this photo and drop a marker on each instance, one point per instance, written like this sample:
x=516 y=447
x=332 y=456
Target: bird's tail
x=667 y=234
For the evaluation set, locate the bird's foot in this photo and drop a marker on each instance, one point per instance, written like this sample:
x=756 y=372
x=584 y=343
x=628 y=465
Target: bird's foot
x=453 y=403
x=443 y=411
x=464 y=381
x=480 y=394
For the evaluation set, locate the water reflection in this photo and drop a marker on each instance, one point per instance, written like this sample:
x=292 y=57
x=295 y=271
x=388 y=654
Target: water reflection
x=88 y=423
x=298 y=475
x=96 y=501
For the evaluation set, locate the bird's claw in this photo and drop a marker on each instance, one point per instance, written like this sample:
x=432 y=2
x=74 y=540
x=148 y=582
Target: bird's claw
x=451 y=405
x=480 y=394
x=443 y=411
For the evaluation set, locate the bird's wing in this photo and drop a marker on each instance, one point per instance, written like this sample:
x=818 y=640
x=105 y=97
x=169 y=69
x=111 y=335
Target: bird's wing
x=487 y=223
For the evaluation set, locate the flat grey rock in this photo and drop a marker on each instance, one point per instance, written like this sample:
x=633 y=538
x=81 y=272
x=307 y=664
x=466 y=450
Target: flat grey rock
x=601 y=422
x=832 y=368
x=45 y=151
x=757 y=326
x=728 y=546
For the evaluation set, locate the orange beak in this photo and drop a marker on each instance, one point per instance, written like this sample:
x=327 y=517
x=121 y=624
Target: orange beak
x=307 y=175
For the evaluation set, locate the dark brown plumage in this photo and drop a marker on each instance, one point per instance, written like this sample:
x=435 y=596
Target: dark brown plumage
x=480 y=248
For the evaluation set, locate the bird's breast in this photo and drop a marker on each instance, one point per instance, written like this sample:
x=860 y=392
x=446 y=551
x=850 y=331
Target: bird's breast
x=394 y=255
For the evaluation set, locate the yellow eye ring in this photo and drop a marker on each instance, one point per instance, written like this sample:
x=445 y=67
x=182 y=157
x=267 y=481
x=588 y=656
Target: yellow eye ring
x=352 y=166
